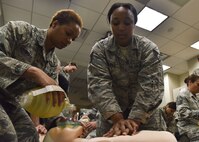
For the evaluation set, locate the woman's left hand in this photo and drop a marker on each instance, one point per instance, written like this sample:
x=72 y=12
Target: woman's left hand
x=41 y=129
x=123 y=127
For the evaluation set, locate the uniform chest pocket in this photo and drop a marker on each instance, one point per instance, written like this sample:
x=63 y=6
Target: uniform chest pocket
x=24 y=54
x=134 y=67
x=52 y=69
x=119 y=76
x=124 y=75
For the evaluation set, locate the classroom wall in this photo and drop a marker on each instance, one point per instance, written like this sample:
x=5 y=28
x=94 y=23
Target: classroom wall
x=173 y=82
x=1 y=15
x=193 y=64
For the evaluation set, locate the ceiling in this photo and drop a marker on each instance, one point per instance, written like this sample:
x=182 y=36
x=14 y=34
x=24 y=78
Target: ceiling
x=173 y=37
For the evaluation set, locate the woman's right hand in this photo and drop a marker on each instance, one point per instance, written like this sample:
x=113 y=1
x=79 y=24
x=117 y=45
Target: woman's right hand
x=40 y=77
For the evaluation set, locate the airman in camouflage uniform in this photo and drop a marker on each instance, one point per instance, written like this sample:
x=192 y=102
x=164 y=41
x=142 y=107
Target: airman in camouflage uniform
x=188 y=109
x=124 y=78
x=28 y=60
x=164 y=116
x=196 y=71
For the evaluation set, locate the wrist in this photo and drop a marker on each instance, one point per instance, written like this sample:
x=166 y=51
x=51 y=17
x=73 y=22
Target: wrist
x=116 y=117
x=137 y=122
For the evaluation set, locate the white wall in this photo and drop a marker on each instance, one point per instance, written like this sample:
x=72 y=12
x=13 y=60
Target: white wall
x=173 y=82
x=182 y=77
x=193 y=64
x=1 y=15
x=166 y=91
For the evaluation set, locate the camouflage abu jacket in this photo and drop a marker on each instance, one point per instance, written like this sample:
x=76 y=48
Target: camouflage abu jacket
x=22 y=46
x=122 y=78
x=188 y=114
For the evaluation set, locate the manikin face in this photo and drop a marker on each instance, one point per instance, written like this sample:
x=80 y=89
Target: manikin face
x=62 y=35
x=122 y=25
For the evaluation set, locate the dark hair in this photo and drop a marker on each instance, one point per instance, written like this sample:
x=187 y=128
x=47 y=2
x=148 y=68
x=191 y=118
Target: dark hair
x=125 y=5
x=172 y=105
x=192 y=78
x=73 y=64
x=66 y=16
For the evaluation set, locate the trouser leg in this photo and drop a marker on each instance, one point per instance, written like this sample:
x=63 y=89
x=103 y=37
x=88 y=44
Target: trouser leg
x=7 y=130
x=25 y=129
x=23 y=125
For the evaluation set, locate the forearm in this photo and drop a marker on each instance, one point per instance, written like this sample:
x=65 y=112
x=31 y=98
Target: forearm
x=35 y=119
x=11 y=70
x=116 y=117
x=35 y=74
x=101 y=94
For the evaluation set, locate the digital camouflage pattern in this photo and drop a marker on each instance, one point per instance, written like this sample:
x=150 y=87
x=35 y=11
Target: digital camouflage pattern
x=171 y=125
x=128 y=80
x=15 y=124
x=21 y=46
x=196 y=71
x=188 y=114
x=165 y=123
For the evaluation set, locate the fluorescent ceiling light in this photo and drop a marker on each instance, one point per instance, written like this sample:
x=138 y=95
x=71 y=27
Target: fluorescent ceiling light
x=165 y=67
x=149 y=19
x=195 y=45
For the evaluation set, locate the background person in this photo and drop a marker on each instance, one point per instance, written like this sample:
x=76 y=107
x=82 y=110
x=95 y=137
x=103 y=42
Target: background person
x=64 y=77
x=196 y=71
x=169 y=117
x=164 y=116
x=188 y=110
x=125 y=77
x=27 y=61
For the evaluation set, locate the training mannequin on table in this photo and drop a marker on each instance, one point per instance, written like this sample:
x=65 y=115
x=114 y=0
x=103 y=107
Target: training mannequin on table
x=59 y=134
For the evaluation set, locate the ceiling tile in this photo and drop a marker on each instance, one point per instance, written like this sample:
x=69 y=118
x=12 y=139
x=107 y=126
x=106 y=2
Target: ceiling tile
x=183 y=66
x=188 y=37
x=172 y=47
x=102 y=25
x=85 y=49
x=170 y=28
x=197 y=25
x=95 y=5
x=168 y=9
x=188 y=13
x=82 y=59
x=49 y=7
x=141 y=31
x=19 y=14
x=172 y=61
x=93 y=37
x=23 y=4
x=158 y=40
x=138 y=6
x=41 y=21
x=89 y=17
x=65 y=56
x=74 y=46
x=187 y=53
x=176 y=71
